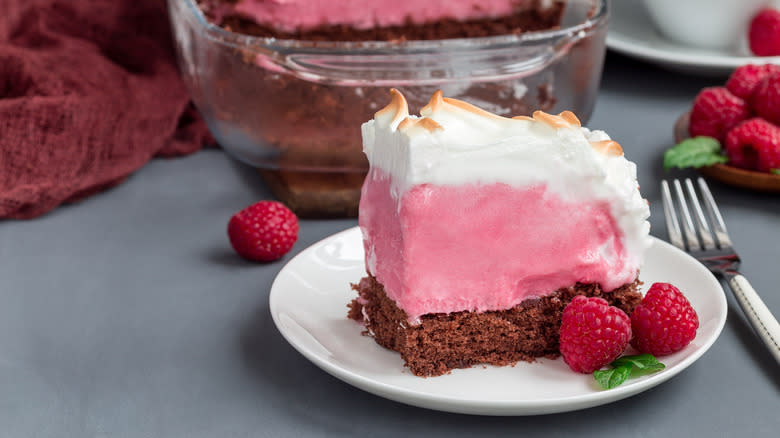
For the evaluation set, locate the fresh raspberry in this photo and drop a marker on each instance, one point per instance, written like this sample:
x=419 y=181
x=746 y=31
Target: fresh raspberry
x=593 y=333
x=744 y=80
x=754 y=144
x=664 y=322
x=766 y=98
x=764 y=33
x=715 y=111
x=264 y=231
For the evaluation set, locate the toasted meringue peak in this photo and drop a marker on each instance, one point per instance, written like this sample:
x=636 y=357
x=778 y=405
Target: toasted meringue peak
x=438 y=102
x=426 y=123
x=570 y=117
x=396 y=111
x=556 y=122
x=607 y=147
x=396 y=117
x=566 y=119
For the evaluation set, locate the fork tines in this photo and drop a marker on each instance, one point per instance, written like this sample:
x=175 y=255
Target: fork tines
x=701 y=235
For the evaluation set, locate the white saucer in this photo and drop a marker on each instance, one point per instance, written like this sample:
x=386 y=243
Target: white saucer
x=632 y=33
x=308 y=303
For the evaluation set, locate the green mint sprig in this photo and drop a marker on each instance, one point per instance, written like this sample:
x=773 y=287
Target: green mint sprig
x=612 y=378
x=625 y=367
x=775 y=171
x=694 y=152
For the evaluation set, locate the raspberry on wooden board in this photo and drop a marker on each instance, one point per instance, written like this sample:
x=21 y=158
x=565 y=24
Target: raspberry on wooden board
x=755 y=145
x=744 y=80
x=715 y=111
x=765 y=100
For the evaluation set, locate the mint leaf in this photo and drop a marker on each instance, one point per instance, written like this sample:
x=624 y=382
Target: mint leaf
x=775 y=171
x=639 y=361
x=694 y=152
x=625 y=367
x=636 y=372
x=612 y=378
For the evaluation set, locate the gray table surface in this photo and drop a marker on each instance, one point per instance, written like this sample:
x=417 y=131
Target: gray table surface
x=128 y=315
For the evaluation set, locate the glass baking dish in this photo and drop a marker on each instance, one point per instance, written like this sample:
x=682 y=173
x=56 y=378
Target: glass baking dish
x=298 y=105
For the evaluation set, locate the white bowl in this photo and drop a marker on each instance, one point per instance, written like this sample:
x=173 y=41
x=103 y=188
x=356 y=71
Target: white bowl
x=712 y=24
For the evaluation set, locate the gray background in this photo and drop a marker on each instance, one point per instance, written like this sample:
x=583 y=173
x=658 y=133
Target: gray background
x=128 y=315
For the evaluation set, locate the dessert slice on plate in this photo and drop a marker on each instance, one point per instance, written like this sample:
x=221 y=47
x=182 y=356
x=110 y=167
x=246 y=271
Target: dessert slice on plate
x=479 y=229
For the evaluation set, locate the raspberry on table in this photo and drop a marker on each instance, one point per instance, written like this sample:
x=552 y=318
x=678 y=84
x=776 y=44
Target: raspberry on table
x=744 y=80
x=764 y=33
x=664 y=322
x=765 y=100
x=593 y=333
x=754 y=144
x=715 y=111
x=264 y=231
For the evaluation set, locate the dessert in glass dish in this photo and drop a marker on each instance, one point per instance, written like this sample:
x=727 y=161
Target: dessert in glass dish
x=285 y=84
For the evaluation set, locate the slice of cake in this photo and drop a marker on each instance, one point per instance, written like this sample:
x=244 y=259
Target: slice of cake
x=479 y=229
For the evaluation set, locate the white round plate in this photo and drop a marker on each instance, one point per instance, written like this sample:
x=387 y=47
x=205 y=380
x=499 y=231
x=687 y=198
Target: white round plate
x=308 y=304
x=632 y=33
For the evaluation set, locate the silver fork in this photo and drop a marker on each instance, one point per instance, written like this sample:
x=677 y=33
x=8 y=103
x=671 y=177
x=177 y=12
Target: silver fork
x=712 y=247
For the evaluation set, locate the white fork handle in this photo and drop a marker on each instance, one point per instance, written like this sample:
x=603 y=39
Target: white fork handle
x=758 y=313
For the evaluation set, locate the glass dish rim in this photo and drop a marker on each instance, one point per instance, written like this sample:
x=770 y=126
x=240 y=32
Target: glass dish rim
x=223 y=36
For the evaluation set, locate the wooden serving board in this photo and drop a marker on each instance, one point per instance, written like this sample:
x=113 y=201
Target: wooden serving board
x=316 y=195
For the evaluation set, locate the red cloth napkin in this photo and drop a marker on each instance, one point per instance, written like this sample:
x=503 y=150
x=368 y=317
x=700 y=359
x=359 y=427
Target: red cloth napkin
x=89 y=92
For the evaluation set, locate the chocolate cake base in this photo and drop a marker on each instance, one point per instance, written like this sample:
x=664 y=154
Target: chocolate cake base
x=442 y=342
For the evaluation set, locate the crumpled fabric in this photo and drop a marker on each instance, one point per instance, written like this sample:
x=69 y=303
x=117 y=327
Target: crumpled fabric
x=89 y=93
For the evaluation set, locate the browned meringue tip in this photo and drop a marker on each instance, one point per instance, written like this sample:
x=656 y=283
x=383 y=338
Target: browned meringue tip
x=566 y=119
x=398 y=112
x=429 y=125
x=571 y=118
x=438 y=101
x=397 y=107
x=607 y=147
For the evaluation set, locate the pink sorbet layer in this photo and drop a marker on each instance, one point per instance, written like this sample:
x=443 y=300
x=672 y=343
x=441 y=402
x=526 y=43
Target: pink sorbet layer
x=291 y=15
x=484 y=247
